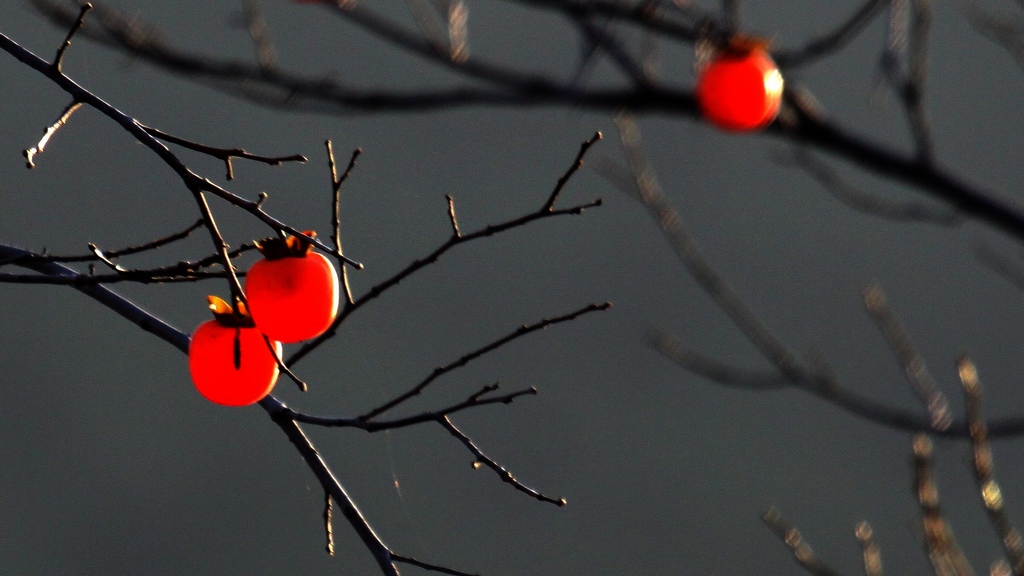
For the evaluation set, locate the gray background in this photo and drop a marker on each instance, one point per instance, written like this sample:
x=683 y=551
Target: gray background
x=112 y=464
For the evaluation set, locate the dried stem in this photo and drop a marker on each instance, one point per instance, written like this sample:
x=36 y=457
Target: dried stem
x=32 y=152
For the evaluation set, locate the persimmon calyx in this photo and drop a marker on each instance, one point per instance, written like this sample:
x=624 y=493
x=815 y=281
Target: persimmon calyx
x=289 y=247
x=237 y=317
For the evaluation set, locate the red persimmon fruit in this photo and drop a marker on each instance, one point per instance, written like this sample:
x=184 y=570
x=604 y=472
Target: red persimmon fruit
x=292 y=292
x=740 y=88
x=229 y=359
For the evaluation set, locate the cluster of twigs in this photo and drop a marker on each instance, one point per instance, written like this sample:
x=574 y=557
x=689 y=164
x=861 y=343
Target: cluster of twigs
x=55 y=269
x=940 y=544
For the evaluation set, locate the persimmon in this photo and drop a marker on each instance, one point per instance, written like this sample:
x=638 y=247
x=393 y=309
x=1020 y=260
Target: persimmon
x=292 y=292
x=740 y=88
x=229 y=359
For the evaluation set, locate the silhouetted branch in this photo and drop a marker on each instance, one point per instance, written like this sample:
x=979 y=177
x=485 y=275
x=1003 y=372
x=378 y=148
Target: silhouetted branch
x=475 y=400
x=224 y=154
x=152 y=245
x=502 y=473
x=336 y=184
x=469 y=357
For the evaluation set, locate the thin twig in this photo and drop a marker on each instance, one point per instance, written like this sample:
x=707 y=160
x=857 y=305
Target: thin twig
x=336 y=184
x=862 y=201
x=946 y=557
x=1009 y=268
x=103 y=258
x=431 y=567
x=576 y=166
x=712 y=369
x=328 y=529
x=303 y=387
x=920 y=32
x=151 y=245
x=802 y=551
x=137 y=276
x=870 y=551
x=476 y=400
x=914 y=367
x=260 y=34
x=1005 y=30
x=58 y=60
x=670 y=223
x=603 y=38
x=984 y=468
x=833 y=41
x=523 y=330
x=502 y=473
x=451 y=216
x=224 y=154
x=32 y=152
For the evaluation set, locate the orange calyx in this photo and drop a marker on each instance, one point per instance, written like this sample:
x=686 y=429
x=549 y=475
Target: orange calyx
x=237 y=317
x=289 y=247
x=741 y=44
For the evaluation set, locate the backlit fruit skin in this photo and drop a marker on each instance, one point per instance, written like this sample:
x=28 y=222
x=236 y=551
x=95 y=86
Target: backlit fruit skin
x=211 y=361
x=293 y=298
x=740 y=90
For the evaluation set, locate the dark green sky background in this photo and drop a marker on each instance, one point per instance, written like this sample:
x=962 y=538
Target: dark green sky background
x=111 y=463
